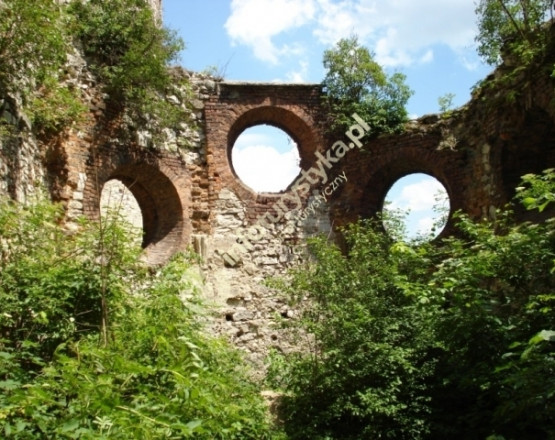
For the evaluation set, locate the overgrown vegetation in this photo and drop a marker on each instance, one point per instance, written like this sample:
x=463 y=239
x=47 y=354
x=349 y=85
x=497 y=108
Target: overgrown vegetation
x=127 y=51
x=427 y=342
x=55 y=106
x=130 y=53
x=519 y=36
x=355 y=83
x=516 y=28
x=33 y=49
x=156 y=374
x=455 y=340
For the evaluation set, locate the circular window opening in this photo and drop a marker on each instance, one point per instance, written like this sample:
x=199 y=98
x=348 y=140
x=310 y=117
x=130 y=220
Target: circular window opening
x=265 y=158
x=416 y=208
x=117 y=203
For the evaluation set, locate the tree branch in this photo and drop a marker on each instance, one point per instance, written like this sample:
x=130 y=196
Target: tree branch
x=513 y=21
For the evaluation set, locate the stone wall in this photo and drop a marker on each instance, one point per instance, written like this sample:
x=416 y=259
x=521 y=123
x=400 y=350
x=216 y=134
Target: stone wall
x=22 y=172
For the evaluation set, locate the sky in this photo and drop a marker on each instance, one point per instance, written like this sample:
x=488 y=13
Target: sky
x=432 y=42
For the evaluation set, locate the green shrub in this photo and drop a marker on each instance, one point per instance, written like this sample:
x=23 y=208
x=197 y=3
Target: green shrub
x=455 y=340
x=94 y=347
x=497 y=289
x=55 y=106
x=366 y=374
x=33 y=50
x=130 y=54
x=33 y=44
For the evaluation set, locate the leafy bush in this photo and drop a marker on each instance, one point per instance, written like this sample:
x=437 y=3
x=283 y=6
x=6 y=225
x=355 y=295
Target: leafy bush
x=496 y=292
x=536 y=192
x=130 y=53
x=92 y=346
x=366 y=374
x=49 y=285
x=451 y=341
x=55 y=106
x=355 y=83
x=33 y=49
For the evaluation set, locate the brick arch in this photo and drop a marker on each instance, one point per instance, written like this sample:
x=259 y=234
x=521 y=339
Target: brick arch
x=161 y=205
x=388 y=175
x=284 y=119
x=293 y=108
x=377 y=188
x=373 y=172
x=281 y=118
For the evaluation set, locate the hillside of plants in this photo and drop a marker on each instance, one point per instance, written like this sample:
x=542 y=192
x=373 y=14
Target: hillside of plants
x=450 y=339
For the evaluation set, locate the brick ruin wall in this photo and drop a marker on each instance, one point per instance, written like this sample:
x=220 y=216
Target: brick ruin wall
x=189 y=195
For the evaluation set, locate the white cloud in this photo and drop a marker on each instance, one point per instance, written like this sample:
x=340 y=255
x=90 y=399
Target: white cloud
x=255 y=22
x=428 y=57
x=400 y=32
x=417 y=196
x=250 y=137
x=420 y=196
x=425 y=225
x=263 y=168
x=298 y=76
x=336 y=20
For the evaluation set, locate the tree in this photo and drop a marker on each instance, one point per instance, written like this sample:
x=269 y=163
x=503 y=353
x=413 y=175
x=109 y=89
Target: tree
x=445 y=102
x=514 y=27
x=355 y=83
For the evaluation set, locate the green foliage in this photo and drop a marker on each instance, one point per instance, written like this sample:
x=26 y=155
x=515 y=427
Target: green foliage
x=512 y=27
x=130 y=53
x=366 y=373
x=32 y=43
x=355 y=83
x=33 y=49
x=160 y=378
x=453 y=341
x=445 y=102
x=55 y=106
x=156 y=375
x=537 y=192
x=48 y=286
x=490 y=284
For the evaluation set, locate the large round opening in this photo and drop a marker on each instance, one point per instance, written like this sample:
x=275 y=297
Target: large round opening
x=416 y=208
x=265 y=158
x=117 y=203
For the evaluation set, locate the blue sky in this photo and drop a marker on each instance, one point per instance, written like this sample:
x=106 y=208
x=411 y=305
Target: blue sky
x=430 y=41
